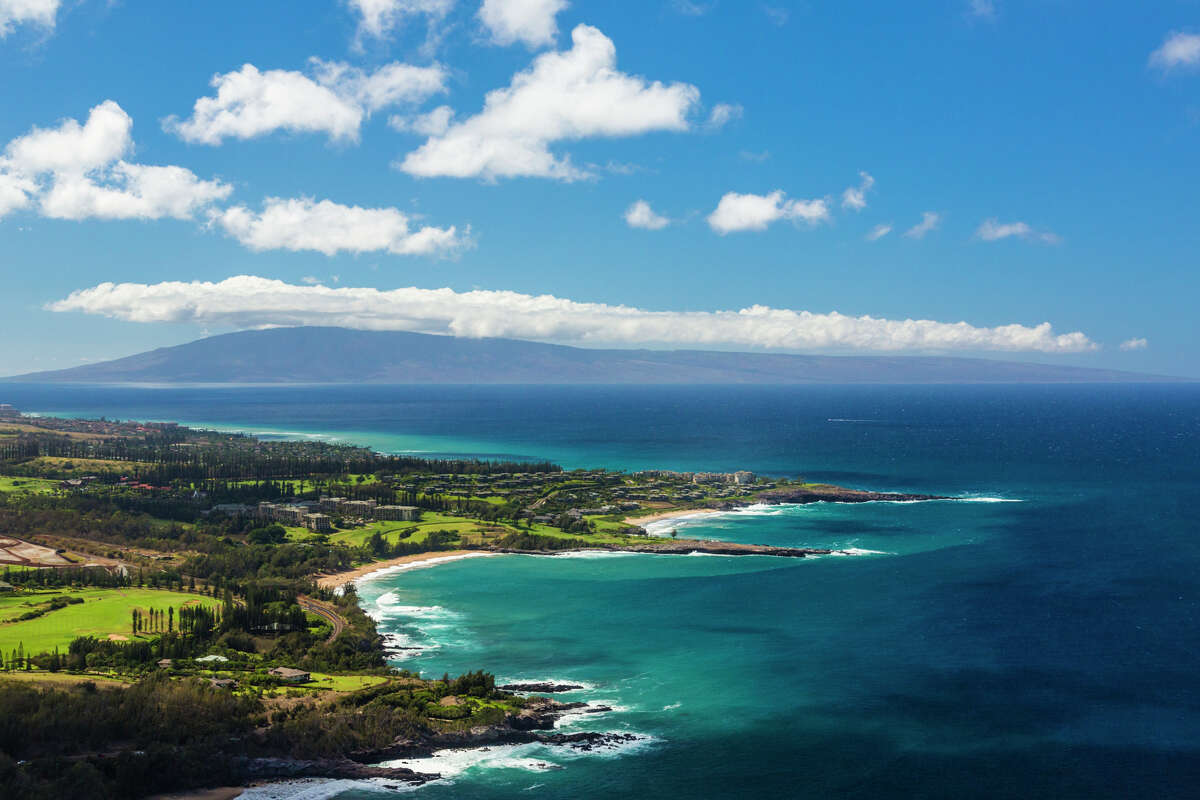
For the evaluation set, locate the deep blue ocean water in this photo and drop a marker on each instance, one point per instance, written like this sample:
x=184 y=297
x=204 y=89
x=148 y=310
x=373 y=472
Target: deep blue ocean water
x=1043 y=648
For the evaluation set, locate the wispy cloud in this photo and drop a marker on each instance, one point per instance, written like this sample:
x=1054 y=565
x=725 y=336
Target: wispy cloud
x=1134 y=344
x=982 y=9
x=992 y=230
x=855 y=197
x=929 y=221
x=41 y=13
x=724 y=113
x=1178 y=50
x=248 y=302
x=879 y=231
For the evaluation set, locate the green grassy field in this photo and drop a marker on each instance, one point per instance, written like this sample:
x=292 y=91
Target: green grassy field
x=27 y=485
x=103 y=612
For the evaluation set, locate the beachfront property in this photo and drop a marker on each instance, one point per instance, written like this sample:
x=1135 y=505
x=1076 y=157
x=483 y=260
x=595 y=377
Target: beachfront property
x=8 y=412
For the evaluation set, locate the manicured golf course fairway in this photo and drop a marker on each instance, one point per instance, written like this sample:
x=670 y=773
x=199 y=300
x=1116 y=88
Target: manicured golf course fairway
x=103 y=612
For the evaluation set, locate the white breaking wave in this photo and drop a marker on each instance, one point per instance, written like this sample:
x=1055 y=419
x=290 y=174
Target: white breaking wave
x=591 y=554
x=988 y=500
x=859 y=551
x=317 y=789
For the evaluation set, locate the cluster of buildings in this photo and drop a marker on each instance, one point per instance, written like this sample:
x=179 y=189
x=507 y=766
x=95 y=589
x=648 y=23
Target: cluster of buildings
x=317 y=515
x=740 y=478
x=8 y=412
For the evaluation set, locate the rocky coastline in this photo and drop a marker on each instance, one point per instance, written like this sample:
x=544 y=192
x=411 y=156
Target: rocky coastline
x=531 y=724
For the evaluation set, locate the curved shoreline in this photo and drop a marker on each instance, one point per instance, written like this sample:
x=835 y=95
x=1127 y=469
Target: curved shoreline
x=393 y=565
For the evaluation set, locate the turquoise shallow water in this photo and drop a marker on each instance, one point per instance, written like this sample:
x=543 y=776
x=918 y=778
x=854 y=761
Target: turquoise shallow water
x=1041 y=648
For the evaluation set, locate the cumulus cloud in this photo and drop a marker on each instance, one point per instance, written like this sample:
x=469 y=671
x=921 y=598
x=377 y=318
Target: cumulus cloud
x=131 y=191
x=379 y=18
x=79 y=172
x=334 y=100
x=929 y=221
x=27 y=12
x=1134 y=344
x=330 y=228
x=641 y=215
x=1178 y=50
x=563 y=96
x=74 y=148
x=855 y=197
x=879 y=231
x=528 y=21
x=992 y=230
x=248 y=301
x=754 y=212
x=15 y=192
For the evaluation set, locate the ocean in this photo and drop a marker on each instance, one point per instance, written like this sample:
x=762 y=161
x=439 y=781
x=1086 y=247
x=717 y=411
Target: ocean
x=1040 y=640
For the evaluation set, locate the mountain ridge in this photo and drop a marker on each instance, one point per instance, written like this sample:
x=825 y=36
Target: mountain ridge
x=342 y=355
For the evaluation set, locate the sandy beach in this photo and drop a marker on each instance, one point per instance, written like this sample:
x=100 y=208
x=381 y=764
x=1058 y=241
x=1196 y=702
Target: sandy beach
x=676 y=514
x=342 y=578
x=219 y=793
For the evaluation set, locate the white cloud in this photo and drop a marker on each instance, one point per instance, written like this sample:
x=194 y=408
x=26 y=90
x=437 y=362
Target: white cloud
x=78 y=172
x=724 y=113
x=248 y=301
x=640 y=215
x=434 y=123
x=71 y=147
x=929 y=221
x=33 y=12
x=563 y=96
x=992 y=230
x=1134 y=344
x=879 y=231
x=131 y=191
x=334 y=100
x=753 y=212
x=1178 y=50
x=380 y=17
x=330 y=228
x=15 y=192
x=855 y=197
x=528 y=21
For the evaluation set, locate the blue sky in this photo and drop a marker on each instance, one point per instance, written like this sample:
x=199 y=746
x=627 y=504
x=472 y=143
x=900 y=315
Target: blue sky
x=333 y=162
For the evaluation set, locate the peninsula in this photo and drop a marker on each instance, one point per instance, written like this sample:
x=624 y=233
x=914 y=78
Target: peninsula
x=211 y=576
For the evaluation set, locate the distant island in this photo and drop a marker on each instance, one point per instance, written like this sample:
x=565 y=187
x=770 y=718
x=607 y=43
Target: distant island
x=339 y=355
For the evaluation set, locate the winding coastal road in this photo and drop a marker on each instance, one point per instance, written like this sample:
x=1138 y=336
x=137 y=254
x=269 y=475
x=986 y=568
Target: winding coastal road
x=325 y=612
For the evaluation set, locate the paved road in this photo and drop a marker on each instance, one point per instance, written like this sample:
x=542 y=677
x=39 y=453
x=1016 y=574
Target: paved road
x=325 y=612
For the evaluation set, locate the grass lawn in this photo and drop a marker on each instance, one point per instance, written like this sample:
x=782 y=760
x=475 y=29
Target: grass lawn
x=27 y=485
x=64 y=678
x=103 y=612
x=342 y=683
